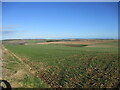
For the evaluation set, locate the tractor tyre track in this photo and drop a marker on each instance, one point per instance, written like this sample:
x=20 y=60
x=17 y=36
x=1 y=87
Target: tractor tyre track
x=28 y=67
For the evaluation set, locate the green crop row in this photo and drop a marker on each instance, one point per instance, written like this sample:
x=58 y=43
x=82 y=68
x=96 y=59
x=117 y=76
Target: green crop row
x=72 y=67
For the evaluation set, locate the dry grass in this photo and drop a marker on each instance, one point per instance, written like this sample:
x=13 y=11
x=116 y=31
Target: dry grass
x=87 y=42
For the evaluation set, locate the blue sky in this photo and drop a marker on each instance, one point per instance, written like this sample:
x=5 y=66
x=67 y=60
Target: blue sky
x=27 y=20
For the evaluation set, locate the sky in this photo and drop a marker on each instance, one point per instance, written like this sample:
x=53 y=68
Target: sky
x=58 y=20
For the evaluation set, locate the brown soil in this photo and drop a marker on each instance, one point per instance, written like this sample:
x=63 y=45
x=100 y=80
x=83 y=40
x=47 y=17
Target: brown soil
x=70 y=42
x=86 y=42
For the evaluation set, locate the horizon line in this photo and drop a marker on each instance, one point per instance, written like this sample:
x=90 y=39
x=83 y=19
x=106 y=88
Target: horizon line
x=54 y=38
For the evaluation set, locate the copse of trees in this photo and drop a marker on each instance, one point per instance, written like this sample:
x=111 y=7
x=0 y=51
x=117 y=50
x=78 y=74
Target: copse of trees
x=53 y=40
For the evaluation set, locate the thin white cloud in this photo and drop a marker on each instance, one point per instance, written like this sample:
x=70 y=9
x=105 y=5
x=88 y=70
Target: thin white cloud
x=2 y=27
x=7 y=31
x=10 y=32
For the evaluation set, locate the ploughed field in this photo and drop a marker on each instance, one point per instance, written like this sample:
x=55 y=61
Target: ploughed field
x=89 y=64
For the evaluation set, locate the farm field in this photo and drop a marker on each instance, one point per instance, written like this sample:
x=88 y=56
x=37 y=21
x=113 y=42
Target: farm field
x=63 y=64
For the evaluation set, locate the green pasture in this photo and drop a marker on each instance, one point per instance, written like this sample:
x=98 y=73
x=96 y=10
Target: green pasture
x=79 y=66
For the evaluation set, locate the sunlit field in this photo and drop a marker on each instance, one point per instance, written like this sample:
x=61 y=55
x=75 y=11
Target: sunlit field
x=70 y=64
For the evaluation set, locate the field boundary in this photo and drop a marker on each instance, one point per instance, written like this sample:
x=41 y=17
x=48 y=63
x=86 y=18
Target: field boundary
x=30 y=69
